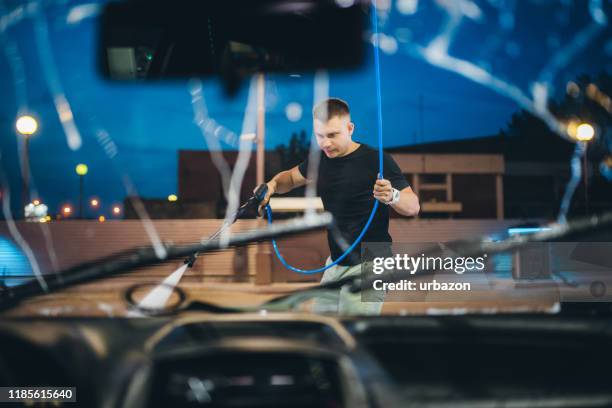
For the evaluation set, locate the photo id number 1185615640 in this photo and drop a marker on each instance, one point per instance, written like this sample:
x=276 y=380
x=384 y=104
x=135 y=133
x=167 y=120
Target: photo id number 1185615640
x=37 y=394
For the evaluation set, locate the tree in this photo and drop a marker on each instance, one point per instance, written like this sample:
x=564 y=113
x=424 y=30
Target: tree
x=292 y=154
x=295 y=152
x=527 y=137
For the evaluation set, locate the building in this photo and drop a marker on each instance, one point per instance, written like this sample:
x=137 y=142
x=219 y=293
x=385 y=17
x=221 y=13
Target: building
x=200 y=186
x=533 y=176
x=491 y=177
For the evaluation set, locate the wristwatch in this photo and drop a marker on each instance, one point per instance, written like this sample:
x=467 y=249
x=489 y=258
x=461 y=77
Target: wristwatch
x=396 y=197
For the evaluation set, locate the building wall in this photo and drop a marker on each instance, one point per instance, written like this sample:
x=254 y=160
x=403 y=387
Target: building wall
x=166 y=210
x=476 y=192
x=469 y=179
x=60 y=245
x=199 y=180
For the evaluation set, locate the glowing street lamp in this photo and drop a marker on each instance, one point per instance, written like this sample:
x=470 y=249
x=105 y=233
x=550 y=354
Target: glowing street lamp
x=116 y=210
x=172 y=198
x=66 y=210
x=584 y=133
x=94 y=203
x=81 y=169
x=580 y=131
x=26 y=126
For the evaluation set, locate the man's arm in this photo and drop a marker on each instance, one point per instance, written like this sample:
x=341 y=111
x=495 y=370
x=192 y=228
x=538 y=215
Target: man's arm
x=283 y=182
x=286 y=181
x=408 y=204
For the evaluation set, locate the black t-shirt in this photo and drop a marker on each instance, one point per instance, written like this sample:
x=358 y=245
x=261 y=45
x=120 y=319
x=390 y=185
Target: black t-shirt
x=346 y=186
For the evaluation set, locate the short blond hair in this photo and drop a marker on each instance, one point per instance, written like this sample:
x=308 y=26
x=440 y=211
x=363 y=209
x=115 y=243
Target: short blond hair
x=329 y=108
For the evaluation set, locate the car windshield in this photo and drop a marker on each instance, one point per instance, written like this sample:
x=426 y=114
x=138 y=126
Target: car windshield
x=126 y=197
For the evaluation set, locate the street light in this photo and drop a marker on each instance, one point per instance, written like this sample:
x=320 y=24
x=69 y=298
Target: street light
x=67 y=210
x=94 y=202
x=172 y=198
x=26 y=126
x=116 y=210
x=81 y=170
x=584 y=133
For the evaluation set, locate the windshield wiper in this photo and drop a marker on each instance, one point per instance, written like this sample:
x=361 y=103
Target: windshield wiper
x=550 y=232
x=144 y=256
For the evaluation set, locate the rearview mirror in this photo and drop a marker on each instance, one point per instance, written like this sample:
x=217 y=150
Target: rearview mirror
x=229 y=38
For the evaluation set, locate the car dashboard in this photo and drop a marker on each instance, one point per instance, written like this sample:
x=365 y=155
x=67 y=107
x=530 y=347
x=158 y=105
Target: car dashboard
x=303 y=360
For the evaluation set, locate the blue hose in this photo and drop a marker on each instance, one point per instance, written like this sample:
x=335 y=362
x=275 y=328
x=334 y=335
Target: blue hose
x=380 y=170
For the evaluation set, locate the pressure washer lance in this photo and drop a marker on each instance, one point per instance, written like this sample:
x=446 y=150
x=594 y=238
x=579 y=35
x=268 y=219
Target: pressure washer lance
x=251 y=204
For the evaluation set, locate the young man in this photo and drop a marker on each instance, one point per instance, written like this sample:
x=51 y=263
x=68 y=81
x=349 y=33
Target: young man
x=348 y=185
